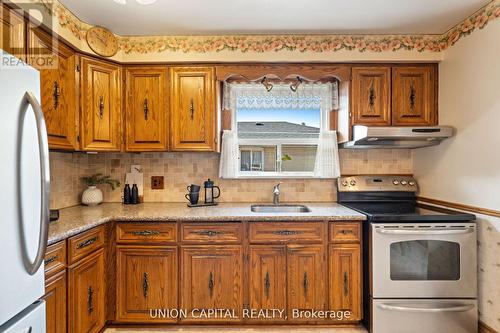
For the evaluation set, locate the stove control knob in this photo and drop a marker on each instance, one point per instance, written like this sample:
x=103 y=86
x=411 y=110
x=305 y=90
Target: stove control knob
x=352 y=182
x=345 y=183
x=411 y=183
x=403 y=182
x=395 y=182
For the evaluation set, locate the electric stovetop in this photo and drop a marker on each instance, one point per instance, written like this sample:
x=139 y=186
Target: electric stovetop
x=406 y=212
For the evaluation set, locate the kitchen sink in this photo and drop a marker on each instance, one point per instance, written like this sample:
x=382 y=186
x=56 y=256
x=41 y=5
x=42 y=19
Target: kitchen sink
x=279 y=209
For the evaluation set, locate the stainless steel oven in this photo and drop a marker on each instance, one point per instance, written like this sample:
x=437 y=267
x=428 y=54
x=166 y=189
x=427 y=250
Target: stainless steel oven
x=420 y=260
x=417 y=260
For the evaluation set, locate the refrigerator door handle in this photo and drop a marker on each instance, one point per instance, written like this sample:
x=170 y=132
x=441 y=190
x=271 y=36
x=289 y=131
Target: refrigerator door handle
x=457 y=308
x=43 y=148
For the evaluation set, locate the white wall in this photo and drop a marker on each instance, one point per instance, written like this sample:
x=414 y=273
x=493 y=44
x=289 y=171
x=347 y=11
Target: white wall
x=466 y=168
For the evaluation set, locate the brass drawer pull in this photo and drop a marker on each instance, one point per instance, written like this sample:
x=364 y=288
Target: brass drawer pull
x=146 y=109
x=346 y=284
x=211 y=283
x=209 y=233
x=372 y=96
x=145 y=285
x=146 y=233
x=305 y=284
x=191 y=108
x=101 y=107
x=413 y=97
x=56 y=94
x=50 y=260
x=346 y=232
x=88 y=242
x=286 y=232
x=90 y=301
x=267 y=285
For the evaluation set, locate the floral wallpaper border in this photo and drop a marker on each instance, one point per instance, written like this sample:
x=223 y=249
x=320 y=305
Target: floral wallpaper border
x=276 y=43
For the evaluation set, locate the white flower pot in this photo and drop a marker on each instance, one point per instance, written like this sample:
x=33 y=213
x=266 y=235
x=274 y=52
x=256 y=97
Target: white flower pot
x=92 y=196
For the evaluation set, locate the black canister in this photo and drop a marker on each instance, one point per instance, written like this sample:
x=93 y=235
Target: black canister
x=127 y=196
x=135 y=195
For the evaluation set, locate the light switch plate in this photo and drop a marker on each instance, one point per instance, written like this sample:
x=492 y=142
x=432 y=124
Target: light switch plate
x=157 y=183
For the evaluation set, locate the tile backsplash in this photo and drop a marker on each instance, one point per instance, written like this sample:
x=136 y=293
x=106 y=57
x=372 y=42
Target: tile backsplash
x=182 y=169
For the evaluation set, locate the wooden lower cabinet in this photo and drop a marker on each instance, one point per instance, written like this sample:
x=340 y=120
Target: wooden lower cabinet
x=55 y=303
x=211 y=278
x=267 y=278
x=345 y=279
x=86 y=296
x=307 y=279
x=146 y=280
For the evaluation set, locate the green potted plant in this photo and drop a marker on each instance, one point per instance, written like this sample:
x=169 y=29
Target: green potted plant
x=92 y=196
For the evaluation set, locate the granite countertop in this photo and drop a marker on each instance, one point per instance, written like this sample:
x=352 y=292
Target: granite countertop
x=76 y=219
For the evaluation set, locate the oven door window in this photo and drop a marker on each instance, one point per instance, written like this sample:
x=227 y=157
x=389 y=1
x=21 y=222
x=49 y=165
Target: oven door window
x=425 y=260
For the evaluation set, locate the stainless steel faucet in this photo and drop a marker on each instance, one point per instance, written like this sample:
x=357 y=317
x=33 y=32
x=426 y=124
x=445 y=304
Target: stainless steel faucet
x=276 y=194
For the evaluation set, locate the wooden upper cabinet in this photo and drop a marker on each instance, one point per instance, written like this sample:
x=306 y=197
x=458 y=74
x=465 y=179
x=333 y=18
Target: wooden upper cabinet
x=414 y=97
x=56 y=63
x=211 y=278
x=86 y=296
x=146 y=109
x=12 y=32
x=345 y=279
x=307 y=278
x=101 y=116
x=371 y=96
x=146 y=279
x=267 y=277
x=193 y=115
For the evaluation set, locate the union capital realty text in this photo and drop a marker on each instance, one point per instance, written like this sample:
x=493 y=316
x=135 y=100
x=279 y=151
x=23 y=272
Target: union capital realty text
x=229 y=314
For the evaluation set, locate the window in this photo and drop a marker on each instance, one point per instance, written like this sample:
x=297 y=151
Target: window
x=276 y=131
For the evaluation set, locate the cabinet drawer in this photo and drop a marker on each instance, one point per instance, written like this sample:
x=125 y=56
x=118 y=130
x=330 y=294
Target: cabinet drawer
x=211 y=233
x=136 y=233
x=280 y=232
x=85 y=243
x=55 y=258
x=345 y=232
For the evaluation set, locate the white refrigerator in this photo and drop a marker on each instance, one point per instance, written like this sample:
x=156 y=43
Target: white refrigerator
x=24 y=195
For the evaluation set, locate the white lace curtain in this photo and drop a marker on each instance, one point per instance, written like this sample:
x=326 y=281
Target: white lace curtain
x=308 y=96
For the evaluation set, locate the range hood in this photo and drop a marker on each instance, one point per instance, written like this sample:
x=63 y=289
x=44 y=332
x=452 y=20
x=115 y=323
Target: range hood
x=365 y=137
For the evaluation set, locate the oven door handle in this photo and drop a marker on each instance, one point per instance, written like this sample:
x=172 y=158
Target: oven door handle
x=425 y=232
x=458 y=308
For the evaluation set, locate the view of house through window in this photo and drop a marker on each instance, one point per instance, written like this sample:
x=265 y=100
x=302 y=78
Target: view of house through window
x=278 y=140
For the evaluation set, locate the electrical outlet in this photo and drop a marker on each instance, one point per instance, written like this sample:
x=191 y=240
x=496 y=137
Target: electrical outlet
x=157 y=183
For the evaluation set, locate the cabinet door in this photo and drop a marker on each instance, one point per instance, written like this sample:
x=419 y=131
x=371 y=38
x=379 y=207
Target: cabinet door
x=56 y=63
x=55 y=303
x=267 y=277
x=414 y=98
x=12 y=32
x=306 y=278
x=212 y=278
x=100 y=105
x=86 y=294
x=193 y=109
x=146 y=279
x=147 y=109
x=345 y=279
x=371 y=96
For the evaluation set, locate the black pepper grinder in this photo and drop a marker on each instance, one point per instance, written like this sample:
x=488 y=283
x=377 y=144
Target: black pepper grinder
x=126 y=194
x=135 y=195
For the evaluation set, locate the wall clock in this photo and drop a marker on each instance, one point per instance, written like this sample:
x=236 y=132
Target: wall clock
x=102 y=41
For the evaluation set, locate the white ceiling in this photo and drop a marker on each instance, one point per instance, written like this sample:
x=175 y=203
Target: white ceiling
x=214 y=17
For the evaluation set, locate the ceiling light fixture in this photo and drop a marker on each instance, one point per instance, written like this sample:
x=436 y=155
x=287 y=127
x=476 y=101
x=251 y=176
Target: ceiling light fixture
x=294 y=86
x=269 y=86
x=140 y=2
